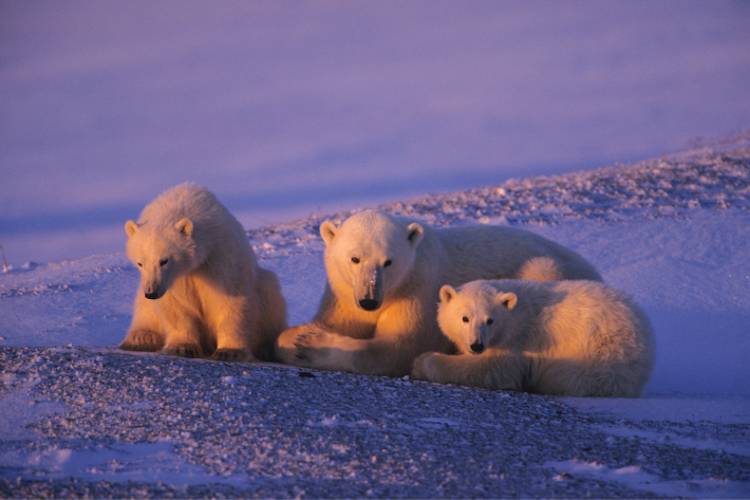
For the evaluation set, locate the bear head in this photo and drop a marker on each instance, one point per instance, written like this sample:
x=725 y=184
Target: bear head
x=162 y=253
x=473 y=317
x=369 y=256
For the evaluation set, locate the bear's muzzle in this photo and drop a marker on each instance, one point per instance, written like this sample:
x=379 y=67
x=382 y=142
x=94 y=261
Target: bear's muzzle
x=372 y=297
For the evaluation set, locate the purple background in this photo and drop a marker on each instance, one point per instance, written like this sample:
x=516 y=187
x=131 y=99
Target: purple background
x=283 y=108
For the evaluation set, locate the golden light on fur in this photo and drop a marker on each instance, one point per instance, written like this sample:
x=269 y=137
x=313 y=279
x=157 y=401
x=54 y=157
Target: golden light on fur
x=202 y=291
x=377 y=318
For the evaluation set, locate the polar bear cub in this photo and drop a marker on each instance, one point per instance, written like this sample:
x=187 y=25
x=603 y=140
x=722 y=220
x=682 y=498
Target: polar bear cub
x=201 y=290
x=378 y=311
x=573 y=338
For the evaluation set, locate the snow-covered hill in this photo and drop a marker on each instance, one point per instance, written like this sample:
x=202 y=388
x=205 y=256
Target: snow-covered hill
x=674 y=232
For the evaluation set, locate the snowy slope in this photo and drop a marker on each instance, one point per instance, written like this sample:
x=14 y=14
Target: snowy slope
x=673 y=232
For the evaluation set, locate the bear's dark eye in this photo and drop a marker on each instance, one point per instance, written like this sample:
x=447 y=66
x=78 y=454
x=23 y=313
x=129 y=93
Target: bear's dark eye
x=163 y=262
x=490 y=321
x=387 y=263
x=355 y=260
x=465 y=319
x=140 y=264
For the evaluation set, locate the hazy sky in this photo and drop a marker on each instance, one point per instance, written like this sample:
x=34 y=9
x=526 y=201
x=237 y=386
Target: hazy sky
x=286 y=107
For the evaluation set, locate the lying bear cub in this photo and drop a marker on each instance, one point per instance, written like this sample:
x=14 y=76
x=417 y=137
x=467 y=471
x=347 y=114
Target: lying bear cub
x=573 y=338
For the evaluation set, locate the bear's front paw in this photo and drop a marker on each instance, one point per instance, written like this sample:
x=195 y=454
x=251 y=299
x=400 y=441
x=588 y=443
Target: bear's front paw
x=226 y=354
x=306 y=344
x=184 y=350
x=423 y=367
x=142 y=340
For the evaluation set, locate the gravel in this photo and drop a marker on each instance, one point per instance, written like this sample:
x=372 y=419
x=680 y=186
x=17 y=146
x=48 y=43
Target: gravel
x=220 y=429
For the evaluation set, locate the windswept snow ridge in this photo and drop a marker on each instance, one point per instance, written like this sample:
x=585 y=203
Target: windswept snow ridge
x=665 y=187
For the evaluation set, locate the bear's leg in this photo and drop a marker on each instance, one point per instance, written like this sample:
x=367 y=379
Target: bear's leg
x=286 y=344
x=272 y=312
x=312 y=345
x=491 y=370
x=399 y=337
x=234 y=321
x=183 y=333
x=315 y=347
x=144 y=333
x=404 y=330
x=540 y=269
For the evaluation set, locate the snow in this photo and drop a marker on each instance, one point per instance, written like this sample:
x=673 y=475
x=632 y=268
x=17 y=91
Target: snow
x=673 y=232
x=741 y=448
x=143 y=462
x=676 y=407
x=271 y=105
x=633 y=476
x=692 y=277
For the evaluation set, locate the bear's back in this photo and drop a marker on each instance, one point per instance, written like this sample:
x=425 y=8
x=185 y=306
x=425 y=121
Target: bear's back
x=584 y=316
x=216 y=231
x=184 y=200
x=499 y=252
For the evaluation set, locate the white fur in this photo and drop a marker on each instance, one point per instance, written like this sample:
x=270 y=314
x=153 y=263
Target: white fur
x=208 y=293
x=385 y=340
x=574 y=338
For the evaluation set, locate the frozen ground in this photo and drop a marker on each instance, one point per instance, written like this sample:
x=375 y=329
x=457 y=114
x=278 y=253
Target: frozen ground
x=80 y=417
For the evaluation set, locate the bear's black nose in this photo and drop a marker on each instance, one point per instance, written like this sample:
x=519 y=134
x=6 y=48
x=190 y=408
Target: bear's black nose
x=152 y=295
x=369 y=304
x=477 y=347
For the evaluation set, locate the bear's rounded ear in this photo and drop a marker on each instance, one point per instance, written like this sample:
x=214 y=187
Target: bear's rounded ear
x=130 y=228
x=447 y=293
x=328 y=231
x=507 y=299
x=416 y=232
x=184 y=226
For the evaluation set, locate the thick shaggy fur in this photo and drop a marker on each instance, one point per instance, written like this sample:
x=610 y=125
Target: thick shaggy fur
x=573 y=338
x=379 y=309
x=201 y=292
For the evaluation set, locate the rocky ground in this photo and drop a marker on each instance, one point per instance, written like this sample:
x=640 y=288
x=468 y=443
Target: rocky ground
x=154 y=425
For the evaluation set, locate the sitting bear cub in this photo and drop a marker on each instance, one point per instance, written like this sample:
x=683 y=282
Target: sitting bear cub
x=573 y=338
x=201 y=290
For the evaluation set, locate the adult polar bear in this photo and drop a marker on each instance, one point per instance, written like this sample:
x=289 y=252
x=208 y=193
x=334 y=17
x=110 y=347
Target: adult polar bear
x=202 y=291
x=379 y=308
